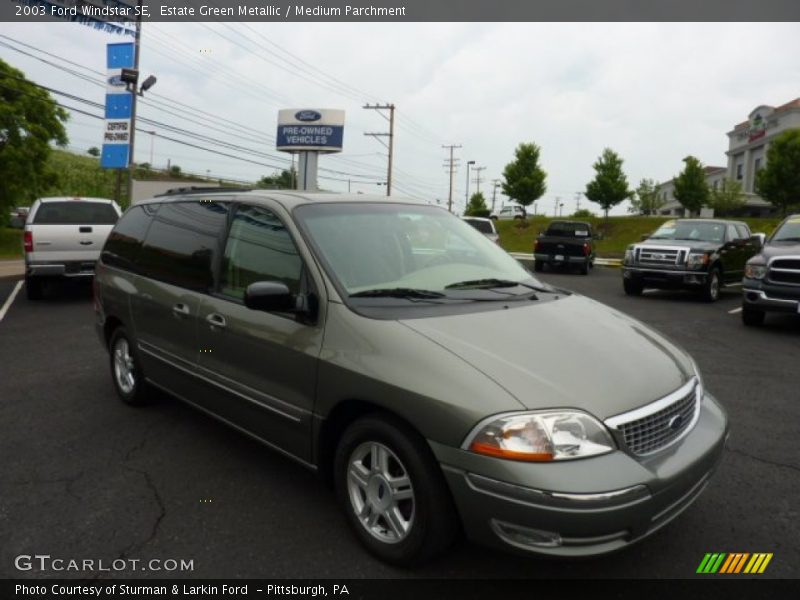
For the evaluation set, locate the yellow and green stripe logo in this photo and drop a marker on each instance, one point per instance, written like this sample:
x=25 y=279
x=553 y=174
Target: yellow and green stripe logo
x=734 y=563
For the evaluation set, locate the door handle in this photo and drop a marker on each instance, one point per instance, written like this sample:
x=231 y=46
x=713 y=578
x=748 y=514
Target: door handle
x=86 y=243
x=216 y=320
x=181 y=309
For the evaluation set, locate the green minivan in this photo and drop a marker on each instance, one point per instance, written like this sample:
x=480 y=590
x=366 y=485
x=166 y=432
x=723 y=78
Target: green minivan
x=416 y=366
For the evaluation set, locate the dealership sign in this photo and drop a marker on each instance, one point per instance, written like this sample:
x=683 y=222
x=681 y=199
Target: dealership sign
x=119 y=105
x=310 y=130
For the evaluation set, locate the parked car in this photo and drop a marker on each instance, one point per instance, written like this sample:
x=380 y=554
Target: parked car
x=63 y=238
x=385 y=345
x=695 y=254
x=509 y=212
x=772 y=277
x=18 y=216
x=565 y=244
x=485 y=226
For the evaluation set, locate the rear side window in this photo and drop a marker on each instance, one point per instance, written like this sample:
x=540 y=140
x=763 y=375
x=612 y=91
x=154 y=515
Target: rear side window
x=75 y=212
x=182 y=244
x=123 y=244
x=743 y=231
x=482 y=226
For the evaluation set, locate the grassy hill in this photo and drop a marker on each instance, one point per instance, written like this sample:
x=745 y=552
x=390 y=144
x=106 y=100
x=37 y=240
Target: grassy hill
x=618 y=232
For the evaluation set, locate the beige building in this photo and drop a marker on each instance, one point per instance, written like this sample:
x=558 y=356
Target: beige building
x=748 y=143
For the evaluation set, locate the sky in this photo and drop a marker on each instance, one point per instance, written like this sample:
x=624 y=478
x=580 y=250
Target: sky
x=654 y=93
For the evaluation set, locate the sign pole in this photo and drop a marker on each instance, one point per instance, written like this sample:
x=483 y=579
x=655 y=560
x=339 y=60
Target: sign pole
x=136 y=49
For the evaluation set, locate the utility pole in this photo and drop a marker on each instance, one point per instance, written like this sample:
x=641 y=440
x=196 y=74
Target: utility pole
x=578 y=200
x=555 y=208
x=136 y=47
x=495 y=185
x=466 y=194
x=390 y=135
x=478 y=176
x=451 y=164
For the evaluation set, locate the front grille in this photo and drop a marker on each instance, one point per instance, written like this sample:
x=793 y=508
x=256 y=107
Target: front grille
x=659 y=256
x=645 y=432
x=785 y=270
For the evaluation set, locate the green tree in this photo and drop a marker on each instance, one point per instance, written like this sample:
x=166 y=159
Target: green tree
x=609 y=186
x=524 y=179
x=726 y=198
x=779 y=181
x=93 y=151
x=646 y=200
x=691 y=189
x=29 y=121
x=583 y=213
x=281 y=181
x=477 y=206
x=175 y=171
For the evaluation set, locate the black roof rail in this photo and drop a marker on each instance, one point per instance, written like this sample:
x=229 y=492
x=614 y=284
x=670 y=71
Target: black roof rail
x=194 y=189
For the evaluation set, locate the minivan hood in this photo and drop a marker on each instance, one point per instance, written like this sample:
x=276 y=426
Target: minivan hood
x=567 y=353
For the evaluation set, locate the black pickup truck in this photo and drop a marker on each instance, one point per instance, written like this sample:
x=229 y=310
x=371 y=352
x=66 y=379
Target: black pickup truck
x=564 y=244
x=695 y=254
x=772 y=277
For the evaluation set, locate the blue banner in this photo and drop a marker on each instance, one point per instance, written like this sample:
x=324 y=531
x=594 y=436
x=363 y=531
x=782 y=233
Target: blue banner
x=119 y=108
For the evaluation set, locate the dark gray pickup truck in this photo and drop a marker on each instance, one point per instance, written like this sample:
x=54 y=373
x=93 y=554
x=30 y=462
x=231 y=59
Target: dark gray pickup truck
x=694 y=254
x=564 y=244
x=772 y=277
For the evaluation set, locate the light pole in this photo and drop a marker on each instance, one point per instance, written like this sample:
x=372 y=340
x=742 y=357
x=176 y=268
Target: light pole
x=466 y=195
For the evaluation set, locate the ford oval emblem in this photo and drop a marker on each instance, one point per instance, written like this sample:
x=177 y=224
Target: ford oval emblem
x=675 y=422
x=307 y=115
x=116 y=81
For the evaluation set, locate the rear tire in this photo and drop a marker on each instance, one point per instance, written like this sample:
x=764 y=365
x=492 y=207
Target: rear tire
x=538 y=266
x=752 y=317
x=712 y=287
x=393 y=492
x=34 y=289
x=126 y=369
x=585 y=268
x=632 y=288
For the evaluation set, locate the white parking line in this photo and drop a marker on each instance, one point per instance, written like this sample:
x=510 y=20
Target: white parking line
x=735 y=310
x=13 y=295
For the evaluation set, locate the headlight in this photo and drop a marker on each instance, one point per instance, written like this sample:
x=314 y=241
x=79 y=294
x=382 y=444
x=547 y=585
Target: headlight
x=628 y=255
x=541 y=437
x=697 y=260
x=755 y=270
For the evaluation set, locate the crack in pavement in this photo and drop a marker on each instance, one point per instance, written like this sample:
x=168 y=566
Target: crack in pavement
x=764 y=460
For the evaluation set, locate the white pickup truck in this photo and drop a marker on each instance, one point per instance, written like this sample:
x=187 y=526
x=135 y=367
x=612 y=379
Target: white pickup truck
x=63 y=238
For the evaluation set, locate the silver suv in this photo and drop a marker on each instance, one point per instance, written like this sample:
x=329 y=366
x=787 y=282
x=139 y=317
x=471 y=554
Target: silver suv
x=387 y=345
x=63 y=238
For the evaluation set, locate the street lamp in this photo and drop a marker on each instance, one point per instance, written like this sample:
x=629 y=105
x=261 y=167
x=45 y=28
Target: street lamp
x=466 y=195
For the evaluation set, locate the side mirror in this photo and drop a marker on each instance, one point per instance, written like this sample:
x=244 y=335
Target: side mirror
x=759 y=238
x=269 y=296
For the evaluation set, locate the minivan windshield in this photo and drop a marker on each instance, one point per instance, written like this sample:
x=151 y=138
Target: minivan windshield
x=404 y=249
x=701 y=231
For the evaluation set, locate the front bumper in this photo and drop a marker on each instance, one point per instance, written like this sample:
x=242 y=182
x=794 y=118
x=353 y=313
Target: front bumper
x=665 y=278
x=82 y=268
x=761 y=295
x=583 y=507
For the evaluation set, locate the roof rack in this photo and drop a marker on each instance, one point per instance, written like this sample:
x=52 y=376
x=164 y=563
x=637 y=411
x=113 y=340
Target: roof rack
x=181 y=191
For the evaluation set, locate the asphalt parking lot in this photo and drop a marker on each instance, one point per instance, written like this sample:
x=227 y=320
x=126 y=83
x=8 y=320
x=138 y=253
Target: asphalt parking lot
x=83 y=476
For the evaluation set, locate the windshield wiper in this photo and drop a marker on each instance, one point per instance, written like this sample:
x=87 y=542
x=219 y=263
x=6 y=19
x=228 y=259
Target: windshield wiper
x=787 y=239
x=478 y=284
x=397 y=293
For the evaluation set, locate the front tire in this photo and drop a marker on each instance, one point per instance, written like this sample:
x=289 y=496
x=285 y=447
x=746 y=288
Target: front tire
x=632 y=288
x=126 y=370
x=752 y=317
x=712 y=286
x=393 y=492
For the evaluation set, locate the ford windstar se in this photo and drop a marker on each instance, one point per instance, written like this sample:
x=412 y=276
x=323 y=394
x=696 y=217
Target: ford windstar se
x=434 y=382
